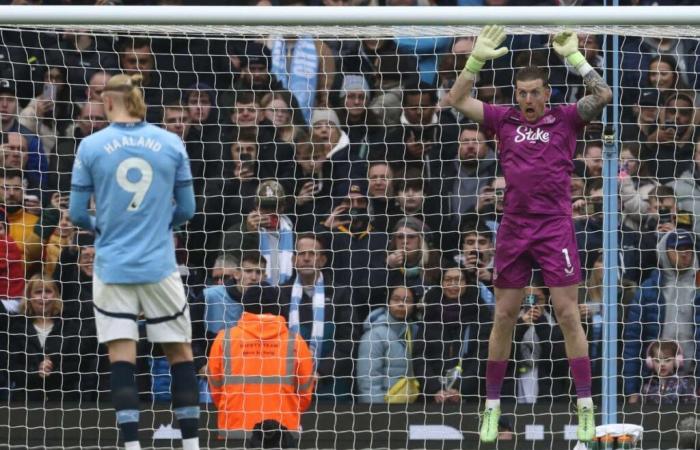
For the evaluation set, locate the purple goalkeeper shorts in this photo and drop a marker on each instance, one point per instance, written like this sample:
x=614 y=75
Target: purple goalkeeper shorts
x=524 y=242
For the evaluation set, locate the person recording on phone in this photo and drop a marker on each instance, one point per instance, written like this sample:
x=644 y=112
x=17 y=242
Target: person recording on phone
x=50 y=113
x=228 y=205
x=266 y=229
x=540 y=358
x=670 y=149
x=359 y=252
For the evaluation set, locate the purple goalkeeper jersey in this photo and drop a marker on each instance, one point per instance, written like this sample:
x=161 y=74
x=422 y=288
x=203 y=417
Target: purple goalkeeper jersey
x=536 y=158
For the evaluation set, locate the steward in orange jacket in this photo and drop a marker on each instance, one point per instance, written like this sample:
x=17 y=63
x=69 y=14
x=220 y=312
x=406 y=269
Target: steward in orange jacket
x=258 y=370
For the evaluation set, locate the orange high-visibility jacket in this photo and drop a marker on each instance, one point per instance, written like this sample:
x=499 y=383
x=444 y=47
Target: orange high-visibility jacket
x=258 y=370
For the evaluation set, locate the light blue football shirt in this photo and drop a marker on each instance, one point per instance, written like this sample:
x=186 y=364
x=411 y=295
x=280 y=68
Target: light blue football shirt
x=133 y=170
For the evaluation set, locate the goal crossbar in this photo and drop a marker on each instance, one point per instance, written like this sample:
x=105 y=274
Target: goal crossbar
x=348 y=16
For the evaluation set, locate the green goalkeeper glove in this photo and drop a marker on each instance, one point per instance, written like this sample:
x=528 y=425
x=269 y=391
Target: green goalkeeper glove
x=486 y=49
x=566 y=45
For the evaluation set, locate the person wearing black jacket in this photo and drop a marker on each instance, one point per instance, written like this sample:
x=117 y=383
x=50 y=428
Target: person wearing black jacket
x=45 y=347
x=74 y=273
x=451 y=344
x=540 y=356
x=333 y=351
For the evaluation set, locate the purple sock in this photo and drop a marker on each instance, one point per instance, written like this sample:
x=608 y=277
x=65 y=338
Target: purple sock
x=581 y=373
x=495 y=372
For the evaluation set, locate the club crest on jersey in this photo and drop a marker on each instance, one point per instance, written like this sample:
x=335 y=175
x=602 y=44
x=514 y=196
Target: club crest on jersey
x=525 y=133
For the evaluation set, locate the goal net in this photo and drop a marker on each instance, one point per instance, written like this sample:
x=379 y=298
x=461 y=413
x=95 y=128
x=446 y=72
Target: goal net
x=326 y=168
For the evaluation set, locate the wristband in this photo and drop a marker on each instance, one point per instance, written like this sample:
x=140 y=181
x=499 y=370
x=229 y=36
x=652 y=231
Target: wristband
x=577 y=60
x=473 y=65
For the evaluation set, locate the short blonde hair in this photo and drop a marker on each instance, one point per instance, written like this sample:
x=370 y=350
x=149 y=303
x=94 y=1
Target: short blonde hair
x=130 y=87
x=26 y=308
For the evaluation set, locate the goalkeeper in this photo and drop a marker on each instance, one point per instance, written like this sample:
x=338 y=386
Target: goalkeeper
x=537 y=145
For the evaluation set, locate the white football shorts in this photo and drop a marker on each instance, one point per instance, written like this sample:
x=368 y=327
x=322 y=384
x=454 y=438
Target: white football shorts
x=119 y=307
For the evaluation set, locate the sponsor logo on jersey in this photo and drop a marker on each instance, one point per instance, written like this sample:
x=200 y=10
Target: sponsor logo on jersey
x=525 y=133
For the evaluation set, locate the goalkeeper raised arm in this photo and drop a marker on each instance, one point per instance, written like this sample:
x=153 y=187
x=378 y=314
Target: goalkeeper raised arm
x=537 y=144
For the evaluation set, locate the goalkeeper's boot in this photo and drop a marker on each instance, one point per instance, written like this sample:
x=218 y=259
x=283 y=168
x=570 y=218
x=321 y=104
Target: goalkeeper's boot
x=489 y=424
x=586 y=424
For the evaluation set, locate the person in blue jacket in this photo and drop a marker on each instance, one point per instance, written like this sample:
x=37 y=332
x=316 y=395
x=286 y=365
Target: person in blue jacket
x=667 y=306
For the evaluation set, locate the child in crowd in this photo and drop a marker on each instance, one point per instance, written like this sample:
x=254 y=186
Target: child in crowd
x=665 y=358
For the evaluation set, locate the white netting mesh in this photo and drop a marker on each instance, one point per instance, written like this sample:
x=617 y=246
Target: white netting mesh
x=242 y=99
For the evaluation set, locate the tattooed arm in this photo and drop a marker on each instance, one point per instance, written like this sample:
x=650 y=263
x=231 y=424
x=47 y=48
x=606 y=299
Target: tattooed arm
x=591 y=105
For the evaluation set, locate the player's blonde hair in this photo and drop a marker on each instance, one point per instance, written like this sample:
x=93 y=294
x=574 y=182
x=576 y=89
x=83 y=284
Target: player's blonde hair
x=129 y=88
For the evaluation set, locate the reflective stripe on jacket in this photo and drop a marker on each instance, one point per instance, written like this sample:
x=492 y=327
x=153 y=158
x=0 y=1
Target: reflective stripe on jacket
x=258 y=370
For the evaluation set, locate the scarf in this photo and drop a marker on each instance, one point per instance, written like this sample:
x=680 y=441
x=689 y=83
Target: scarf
x=300 y=75
x=277 y=247
x=318 y=303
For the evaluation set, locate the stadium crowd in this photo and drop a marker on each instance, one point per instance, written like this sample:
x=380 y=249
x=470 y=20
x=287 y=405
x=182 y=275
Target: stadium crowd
x=326 y=171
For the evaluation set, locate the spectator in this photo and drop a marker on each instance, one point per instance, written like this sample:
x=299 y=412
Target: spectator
x=312 y=176
x=223 y=300
x=267 y=229
x=540 y=357
x=451 y=63
x=306 y=68
x=203 y=114
x=255 y=70
x=14 y=152
x=91 y=119
x=638 y=53
x=11 y=272
x=20 y=220
x=663 y=75
x=136 y=57
x=413 y=201
x=489 y=204
x=434 y=128
x=59 y=238
x=661 y=214
x=79 y=52
x=642 y=125
x=273 y=157
x=411 y=254
x=635 y=184
x=280 y=114
x=686 y=188
x=224 y=271
x=637 y=250
x=383 y=207
x=322 y=313
x=45 y=347
x=37 y=162
x=665 y=359
x=328 y=137
x=49 y=114
x=666 y=307
x=364 y=128
x=593 y=160
x=385 y=349
x=74 y=273
x=380 y=59
x=474 y=168
x=230 y=205
x=672 y=150
x=477 y=257
x=257 y=349
x=96 y=85
x=205 y=157
x=449 y=354
x=357 y=251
